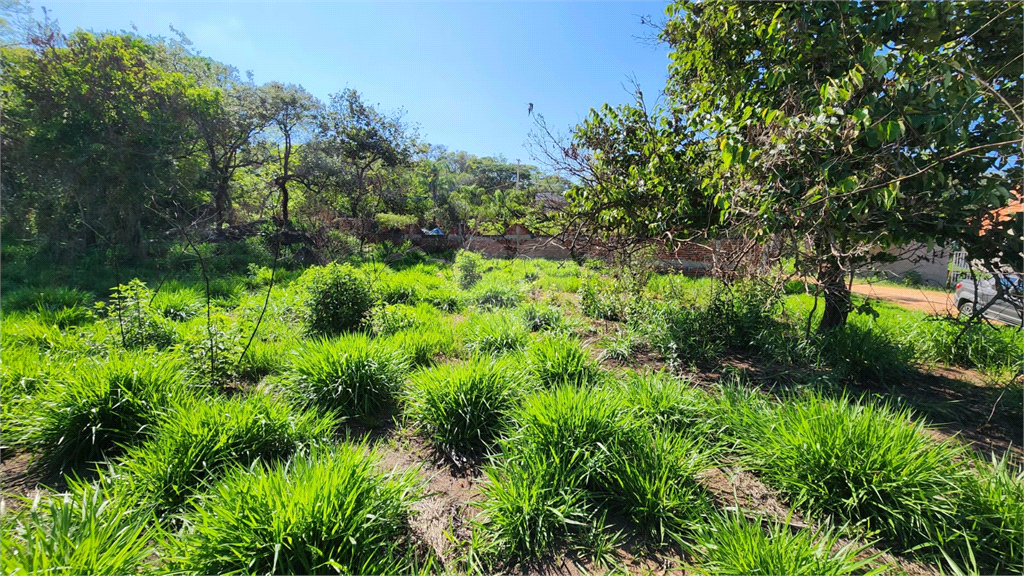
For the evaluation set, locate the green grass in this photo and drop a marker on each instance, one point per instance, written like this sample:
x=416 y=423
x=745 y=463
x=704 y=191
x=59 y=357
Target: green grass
x=735 y=545
x=673 y=404
x=351 y=376
x=494 y=333
x=81 y=532
x=327 y=513
x=856 y=461
x=99 y=407
x=537 y=316
x=562 y=359
x=195 y=443
x=493 y=294
x=464 y=407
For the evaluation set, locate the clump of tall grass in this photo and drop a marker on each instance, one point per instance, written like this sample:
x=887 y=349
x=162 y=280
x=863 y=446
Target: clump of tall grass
x=495 y=332
x=83 y=531
x=856 y=461
x=670 y=403
x=178 y=305
x=263 y=358
x=539 y=316
x=562 y=359
x=389 y=319
x=424 y=345
x=496 y=294
x=600 y=302
x=48 y=298
x=135 y=321
x=352 y=375
x=329 y=512
x=734 y=545
x=464 y=407
x=622 y=345
x=196 y=443
x=396 y=290
x=576 y=452
x=445 y=299
x=101 y=407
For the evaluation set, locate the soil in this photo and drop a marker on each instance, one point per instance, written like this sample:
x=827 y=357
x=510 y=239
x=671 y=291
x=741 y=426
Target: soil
x=19 y=478
x=930 y=301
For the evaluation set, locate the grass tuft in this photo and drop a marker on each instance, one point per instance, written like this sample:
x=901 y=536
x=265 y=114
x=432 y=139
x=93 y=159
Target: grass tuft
x=562 y=359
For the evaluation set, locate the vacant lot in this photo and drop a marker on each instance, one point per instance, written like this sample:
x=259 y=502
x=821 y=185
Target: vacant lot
x=500 y=416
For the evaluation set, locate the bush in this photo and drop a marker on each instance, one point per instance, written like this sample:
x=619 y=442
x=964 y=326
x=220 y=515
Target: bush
x=135 y=321
x=80 y=532
x=196 y=443
x=334 y=299
x=494 y=333
x=464 y=407
x=863 y=464
x=734 y=545
x=351 y=375
x=325 y=513
x=102 y=407
x=556 y=360
x=467 y=269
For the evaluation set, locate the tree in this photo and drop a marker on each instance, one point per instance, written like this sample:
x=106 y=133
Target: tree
x=291 y=111
x=95 y=133
x=845 y=127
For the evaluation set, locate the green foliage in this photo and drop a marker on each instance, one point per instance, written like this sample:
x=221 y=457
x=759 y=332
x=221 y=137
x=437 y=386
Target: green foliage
x=863 y=464
x=264 y=357
x=51 y=299
x=139 y=325
x=389 y=319
x=326 y=513
x=467 y=269
x=195 y=443
x=671 y=404
x=334 y=299
x=494 y=333
x=622 y=345
x=598 y=301
x=100 y=407
x=178 y=305
x=351 y=376
x=990 y=532
x=422 y=346
x=494 y=294
x=81 y=532
x=735 y=545
x=464 y=407
x=445 y=299
x=561 y=359
x=539 y=316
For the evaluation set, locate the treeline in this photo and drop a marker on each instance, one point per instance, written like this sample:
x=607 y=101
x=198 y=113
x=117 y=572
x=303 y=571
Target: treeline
x=127 y=143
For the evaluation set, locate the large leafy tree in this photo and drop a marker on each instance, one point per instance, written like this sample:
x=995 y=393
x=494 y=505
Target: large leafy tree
x=291 y=112
x=96 y=138
x=843 y=126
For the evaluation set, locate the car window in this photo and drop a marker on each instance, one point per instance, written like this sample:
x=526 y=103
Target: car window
x=1012 y=285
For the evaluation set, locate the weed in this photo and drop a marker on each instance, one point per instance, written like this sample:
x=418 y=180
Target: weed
x=467 y=269
x=178 y=305
x=423 y=345
x=538 y=316
x=668 y=403
x=494 y=294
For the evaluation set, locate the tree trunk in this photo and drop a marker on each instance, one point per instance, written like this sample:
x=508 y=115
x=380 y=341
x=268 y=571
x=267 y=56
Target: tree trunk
x=283 y=185
x=222 y=200
x=832 y=280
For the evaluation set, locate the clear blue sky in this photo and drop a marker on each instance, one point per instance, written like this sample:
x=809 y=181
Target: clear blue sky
x=464 y=72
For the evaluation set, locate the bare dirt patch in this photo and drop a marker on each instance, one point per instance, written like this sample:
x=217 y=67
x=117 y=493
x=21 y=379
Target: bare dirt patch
x=930 y=301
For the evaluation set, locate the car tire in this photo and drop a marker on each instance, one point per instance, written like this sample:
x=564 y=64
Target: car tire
x=966 y=309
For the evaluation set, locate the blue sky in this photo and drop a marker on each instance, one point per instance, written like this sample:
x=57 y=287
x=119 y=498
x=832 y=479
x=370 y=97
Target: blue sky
x=464 y=72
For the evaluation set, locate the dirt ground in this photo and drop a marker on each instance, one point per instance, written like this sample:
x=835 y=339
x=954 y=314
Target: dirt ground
x=929 y=301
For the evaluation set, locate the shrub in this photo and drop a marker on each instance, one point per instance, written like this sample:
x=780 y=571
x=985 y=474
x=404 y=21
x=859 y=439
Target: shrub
x=493 y=333
x=326 y=513
x=467 y=269
x=601 y=303
x=864 y=464
x=351 y=375
x=135 y=321
x=196 y=443
x=334 y=300
x=555 y=360
x=101 y=407
x=464 y=407
x=734 y=545
x=80 y=532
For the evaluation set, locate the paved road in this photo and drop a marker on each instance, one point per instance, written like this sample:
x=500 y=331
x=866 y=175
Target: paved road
x=913 y=298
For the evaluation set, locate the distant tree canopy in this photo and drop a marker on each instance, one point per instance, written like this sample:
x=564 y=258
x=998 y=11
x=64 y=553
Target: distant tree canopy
x=841 y=126
x=118 y=141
